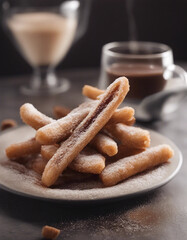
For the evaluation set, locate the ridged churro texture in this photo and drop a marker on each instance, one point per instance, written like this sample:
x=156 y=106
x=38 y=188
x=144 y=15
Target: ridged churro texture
x=98 y=116
x=127 y=167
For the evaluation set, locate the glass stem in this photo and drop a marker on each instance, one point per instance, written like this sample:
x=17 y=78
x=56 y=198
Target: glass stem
x=44 y=77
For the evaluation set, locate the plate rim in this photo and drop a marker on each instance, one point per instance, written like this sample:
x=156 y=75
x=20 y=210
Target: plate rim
x=102 y=199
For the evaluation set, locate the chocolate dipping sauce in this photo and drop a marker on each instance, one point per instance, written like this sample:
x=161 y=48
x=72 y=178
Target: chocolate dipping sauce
x=144 y=79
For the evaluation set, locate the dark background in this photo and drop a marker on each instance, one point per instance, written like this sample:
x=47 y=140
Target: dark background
x=156 y=20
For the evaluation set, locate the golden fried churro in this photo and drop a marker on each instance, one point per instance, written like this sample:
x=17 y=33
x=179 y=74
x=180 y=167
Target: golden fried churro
x=22 y=149
x=50 y=232
x=132 y=137
x=123 y=115
x=62 y=128
x=127 y=167
x=104 y=144
x=86 y=130
x=87 y=161
x=91 y=92
x=124 y=151
x=60 y=111
x=31 y=116
x=8 y=123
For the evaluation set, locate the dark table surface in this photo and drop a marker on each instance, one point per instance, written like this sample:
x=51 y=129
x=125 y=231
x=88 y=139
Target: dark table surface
x=161 y=214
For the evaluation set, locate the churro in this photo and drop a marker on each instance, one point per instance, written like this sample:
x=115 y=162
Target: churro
x=22 y=149
x=74 y=147
x=87 y=161
x=127 y=167
x=123 y=115
x=50 y=232
x=60 y=111
x=124 y=151
x=98 y=116
x=62 y=128
x=104 y=144
x=91 y=92
x=8 y=123
x=51 y=131
x=31 y=116
x=132 y=137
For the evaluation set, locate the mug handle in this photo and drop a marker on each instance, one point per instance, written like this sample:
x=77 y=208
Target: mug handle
x=152 y=107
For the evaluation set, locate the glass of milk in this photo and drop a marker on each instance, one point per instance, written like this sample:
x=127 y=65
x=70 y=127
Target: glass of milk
x=43 y=36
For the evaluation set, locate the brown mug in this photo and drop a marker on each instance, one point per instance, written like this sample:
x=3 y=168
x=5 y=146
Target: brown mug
x=148 y=66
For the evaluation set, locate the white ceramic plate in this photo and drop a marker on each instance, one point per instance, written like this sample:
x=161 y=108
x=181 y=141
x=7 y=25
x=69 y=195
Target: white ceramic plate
x=17 y=179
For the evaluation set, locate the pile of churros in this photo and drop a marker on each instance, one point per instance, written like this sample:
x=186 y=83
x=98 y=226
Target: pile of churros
x=95 y=139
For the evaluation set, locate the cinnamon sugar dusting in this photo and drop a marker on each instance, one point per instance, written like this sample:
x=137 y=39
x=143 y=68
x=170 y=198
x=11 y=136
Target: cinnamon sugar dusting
x=15 y=176
x=68 y=155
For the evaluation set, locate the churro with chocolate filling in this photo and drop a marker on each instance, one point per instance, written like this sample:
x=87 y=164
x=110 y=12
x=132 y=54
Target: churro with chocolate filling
x=87 y=161
x=86 y=130
x=62 y=128
x=124 y=115
x=127 y=167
